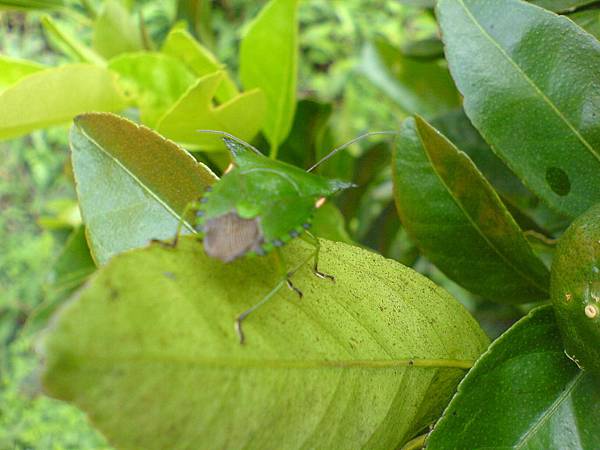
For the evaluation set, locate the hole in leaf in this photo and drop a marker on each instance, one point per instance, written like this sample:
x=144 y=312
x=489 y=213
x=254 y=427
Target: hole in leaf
x=558 y=180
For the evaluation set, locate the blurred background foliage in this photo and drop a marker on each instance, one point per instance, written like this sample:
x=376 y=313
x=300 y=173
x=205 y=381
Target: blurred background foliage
x=353 y=77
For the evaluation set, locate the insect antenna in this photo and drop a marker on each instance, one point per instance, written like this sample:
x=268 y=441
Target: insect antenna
x=233 y=138
x=347 y=144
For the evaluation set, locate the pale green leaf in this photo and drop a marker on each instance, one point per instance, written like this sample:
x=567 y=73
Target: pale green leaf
x=132 y=184
x=149 y=351
x=181 y=44
x=55 y=96
x=115 y=31
x=12 y=70
x=269 y=61
x=154 y=81
x=242 y=116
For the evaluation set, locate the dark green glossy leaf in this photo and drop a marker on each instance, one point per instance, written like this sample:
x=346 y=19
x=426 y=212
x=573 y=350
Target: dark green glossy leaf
x=154 y=82
x=422 y=87
x=269 y=61
x=523 y=393
x=367 y=170
x=455 y=125
x=376 y=196
x=562 y=5
x=302 y=144
x=526 y=209
x=132 y=184
x=458 y=220
x=529 y=79
x=54 y=96
x=152 y=355
x=115 y=31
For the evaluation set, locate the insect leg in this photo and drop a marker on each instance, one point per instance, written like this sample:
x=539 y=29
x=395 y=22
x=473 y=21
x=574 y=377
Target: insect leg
x=242 y=316
x=284 y=279
x=287 y=275
x=189 y=207
x=312 y=239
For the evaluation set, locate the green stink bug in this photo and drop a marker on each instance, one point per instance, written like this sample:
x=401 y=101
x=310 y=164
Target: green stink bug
x=258 y=206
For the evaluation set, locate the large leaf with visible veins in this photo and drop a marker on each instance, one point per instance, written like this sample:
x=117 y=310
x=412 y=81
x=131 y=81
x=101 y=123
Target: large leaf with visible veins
x=148 y=350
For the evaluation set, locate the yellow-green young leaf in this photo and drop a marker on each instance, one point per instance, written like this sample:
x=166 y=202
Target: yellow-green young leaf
x=12 y=70
x=153 y=81
x=55 y=96
x=149 y=351
x=242 y=116
x=31 y=4
x=269 y=60
x=115 y=31
x=68 y=44
x=132 y=184
x=181 y=44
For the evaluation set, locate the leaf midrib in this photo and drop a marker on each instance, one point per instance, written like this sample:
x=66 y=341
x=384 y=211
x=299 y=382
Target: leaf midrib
x=220 y=363
x=459 y=204
x=549 y=412
x=159 y=200
x=530 y=81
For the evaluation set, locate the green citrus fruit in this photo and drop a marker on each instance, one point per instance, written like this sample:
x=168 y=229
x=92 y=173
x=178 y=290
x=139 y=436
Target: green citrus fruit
x=575 y=289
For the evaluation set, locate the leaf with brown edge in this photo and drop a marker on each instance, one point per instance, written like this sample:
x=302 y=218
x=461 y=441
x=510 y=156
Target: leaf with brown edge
x=132 y=183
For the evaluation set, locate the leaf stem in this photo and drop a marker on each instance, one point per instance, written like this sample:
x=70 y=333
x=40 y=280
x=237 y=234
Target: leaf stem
x=273 y=151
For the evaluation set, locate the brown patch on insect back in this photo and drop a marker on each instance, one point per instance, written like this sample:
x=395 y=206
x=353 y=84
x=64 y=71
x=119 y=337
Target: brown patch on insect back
x=568 y=297
x=229 y=236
